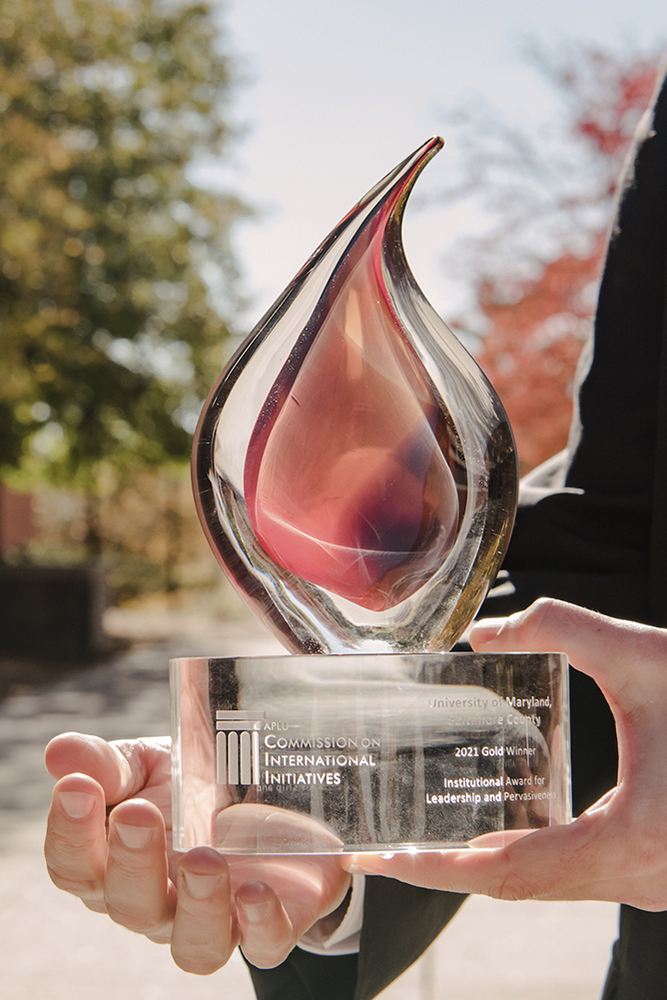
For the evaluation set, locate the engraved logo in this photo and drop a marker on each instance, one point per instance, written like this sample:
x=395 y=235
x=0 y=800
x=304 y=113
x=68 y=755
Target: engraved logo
x=237 y=747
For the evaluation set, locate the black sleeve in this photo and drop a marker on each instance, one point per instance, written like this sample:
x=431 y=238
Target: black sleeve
x=303 y=976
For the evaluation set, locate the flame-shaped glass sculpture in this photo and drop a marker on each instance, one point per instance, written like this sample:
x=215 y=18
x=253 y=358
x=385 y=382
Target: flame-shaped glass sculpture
x=354 y=470
x=356 y=476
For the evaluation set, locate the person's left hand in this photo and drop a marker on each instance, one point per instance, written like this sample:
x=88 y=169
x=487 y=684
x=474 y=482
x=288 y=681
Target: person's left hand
x=617 y=849
x=199 y=902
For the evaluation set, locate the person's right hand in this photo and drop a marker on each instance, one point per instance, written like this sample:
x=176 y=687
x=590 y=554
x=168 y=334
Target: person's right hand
x=617 y=849
x=199 y=902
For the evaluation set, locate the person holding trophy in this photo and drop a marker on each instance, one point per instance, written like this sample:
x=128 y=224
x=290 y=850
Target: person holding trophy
x=591 y=532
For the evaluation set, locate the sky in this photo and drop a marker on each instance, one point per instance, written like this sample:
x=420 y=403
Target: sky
x=333 y=95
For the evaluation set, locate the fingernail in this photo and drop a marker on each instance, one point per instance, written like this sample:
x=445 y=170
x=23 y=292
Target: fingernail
x=134 y=837
x=200 y=886
x=487 y=629
x=351 y=865
x=254 y=912
x=76 y=804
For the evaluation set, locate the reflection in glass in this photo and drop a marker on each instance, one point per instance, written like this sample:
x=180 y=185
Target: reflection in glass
x=320 y=754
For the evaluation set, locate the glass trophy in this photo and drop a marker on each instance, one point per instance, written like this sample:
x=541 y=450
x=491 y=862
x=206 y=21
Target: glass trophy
x=356 y=477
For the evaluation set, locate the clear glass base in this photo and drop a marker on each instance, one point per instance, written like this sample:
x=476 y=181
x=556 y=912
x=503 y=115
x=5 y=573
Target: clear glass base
x=326 y=754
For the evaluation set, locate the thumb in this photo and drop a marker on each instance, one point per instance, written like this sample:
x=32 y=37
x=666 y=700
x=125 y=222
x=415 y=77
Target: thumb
x=119 y=775
x=621 y=656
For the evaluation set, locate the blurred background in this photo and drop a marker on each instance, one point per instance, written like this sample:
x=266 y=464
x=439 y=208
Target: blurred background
x=165 y=169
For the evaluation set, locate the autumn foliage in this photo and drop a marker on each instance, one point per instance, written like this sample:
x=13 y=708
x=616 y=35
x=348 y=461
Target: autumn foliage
x=533 y=346
x=534 y=329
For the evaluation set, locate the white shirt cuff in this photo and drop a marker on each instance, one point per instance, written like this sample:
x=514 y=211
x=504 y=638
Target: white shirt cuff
x=345 y=939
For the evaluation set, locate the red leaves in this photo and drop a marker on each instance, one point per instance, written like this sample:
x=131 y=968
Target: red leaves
x=536 y=328
x=532 y=349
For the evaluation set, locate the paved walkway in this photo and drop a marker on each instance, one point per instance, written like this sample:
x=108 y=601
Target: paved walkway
x=55 y=949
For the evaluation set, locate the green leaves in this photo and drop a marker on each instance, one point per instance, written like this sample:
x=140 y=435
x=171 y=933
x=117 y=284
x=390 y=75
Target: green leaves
x=107 y=336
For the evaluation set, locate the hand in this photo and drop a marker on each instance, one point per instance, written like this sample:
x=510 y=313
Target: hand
x=617 y=849
x=200 y=902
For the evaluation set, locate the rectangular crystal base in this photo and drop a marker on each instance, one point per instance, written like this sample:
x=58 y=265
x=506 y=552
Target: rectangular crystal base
x=323 y=754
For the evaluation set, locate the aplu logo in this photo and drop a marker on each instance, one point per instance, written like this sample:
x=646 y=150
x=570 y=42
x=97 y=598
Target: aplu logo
x=237 y=747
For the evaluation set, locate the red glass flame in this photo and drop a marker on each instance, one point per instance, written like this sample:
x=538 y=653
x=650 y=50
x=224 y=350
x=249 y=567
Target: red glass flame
x=346 y=478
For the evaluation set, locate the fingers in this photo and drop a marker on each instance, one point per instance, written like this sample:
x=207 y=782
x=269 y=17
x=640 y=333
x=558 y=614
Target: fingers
x=137 y=891
x=267 y=932
x=595 y=644
x=75 y=844
x=127 y=877
x=204 y=932
x=279 y=898
x=444 y=870
x=127 y=874
x=556 y=863
x=546 y=626
x=93 y=756
x=308 y=886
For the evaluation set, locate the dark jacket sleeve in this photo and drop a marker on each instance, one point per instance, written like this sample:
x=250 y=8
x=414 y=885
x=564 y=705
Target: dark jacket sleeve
x=303 y=976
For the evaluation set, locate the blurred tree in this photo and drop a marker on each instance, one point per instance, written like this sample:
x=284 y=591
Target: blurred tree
x=536 y=272
x=114 y=266
x=533 y=344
